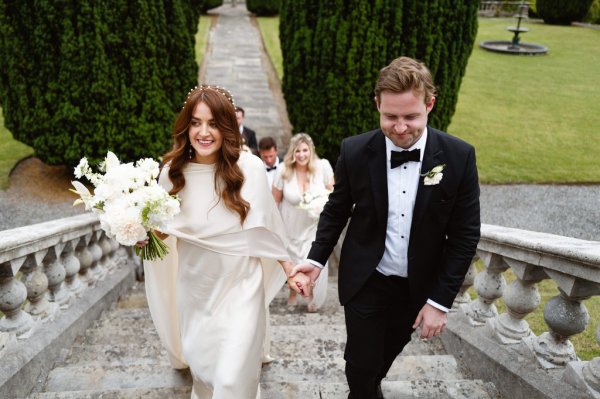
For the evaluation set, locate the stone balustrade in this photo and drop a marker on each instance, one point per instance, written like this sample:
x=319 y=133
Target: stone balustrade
x=572 y=264
x=51 y=276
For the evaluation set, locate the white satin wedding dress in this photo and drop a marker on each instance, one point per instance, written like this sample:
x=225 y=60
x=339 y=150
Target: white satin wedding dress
x=208 y=298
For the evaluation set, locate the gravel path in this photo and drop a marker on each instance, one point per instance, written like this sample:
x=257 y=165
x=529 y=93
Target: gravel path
x=39 y=193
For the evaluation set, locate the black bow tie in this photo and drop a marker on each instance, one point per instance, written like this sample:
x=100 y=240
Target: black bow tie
x=271 y=168
x=400 y=157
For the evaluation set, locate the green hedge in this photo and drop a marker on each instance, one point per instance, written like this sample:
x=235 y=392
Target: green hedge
x=78 y=78
x=208 y=4
x=563 y=12
x=263 y=7
x=594 y=13
x=332 y=52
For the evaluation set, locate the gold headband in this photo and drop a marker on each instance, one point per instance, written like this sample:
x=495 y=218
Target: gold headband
x=218 y=89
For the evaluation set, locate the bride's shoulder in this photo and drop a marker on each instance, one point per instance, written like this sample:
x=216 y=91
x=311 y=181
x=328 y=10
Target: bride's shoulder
x=250 y=161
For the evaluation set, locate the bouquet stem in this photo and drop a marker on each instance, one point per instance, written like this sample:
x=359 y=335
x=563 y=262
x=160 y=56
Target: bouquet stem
x=156 y=248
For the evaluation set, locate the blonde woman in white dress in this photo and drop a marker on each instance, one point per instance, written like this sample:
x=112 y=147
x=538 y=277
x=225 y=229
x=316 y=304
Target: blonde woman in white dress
x=303 y=173
x=227 y=253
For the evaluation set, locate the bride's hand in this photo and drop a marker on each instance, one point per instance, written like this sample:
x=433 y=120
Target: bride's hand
x=142 y=244
x=303 y=284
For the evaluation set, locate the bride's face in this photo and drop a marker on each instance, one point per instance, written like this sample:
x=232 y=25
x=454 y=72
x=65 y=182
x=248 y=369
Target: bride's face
x=205 y=137
x=302 y=154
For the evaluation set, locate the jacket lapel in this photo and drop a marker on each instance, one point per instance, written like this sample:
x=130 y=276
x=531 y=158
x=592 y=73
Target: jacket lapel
x=432 y=157
x=378 y=176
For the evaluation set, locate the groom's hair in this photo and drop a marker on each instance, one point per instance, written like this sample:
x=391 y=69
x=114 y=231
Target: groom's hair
x=405 y=74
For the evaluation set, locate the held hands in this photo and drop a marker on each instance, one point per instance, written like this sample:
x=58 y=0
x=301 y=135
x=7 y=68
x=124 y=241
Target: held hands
x=432 y=322
x=301 y=284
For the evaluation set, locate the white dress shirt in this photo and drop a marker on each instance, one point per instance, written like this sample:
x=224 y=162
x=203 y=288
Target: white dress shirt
x=271 y=173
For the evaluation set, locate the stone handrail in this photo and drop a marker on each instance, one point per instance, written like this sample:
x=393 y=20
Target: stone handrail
x=572 y=264
x=51 y=277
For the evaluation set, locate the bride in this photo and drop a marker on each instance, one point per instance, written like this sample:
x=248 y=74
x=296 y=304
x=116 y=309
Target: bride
x=227 y=252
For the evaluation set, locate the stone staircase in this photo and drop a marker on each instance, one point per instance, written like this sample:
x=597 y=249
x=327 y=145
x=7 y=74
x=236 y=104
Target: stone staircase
x=120 y=356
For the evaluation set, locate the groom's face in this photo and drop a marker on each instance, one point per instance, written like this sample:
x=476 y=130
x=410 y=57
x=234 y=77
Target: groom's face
x=403 y=116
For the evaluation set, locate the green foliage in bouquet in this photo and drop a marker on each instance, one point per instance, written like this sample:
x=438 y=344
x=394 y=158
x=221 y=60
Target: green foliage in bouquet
x=82 y=77
x=562 y=12
x=263 y=7
x=333 y=50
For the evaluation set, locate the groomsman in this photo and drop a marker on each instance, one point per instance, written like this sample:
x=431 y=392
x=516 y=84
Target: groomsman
x=267 y=149
x=412 y=195
x=248 y=135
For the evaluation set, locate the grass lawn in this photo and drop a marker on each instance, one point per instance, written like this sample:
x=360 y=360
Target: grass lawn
x=202 y=38
x=531 y=119
x=11 y=151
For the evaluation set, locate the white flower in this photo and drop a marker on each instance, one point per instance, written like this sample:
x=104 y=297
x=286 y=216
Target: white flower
x=434 y=176
x=129 y=202
x=314 y=202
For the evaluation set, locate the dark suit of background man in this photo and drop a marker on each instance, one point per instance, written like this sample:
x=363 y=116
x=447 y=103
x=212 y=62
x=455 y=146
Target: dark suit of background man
x=411 y=237
x=248 y=135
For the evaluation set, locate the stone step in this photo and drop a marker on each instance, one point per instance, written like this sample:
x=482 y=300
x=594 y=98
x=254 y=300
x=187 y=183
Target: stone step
x=431 y=389
x=129 y=393
x=83 y=378
x=405 y=368
x=115 y=354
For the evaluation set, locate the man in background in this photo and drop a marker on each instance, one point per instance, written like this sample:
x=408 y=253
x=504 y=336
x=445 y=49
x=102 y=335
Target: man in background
x=248 y=135
x=267 y=150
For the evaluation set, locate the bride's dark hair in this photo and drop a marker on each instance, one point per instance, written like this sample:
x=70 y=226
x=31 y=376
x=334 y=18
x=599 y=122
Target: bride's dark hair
x=229 y=178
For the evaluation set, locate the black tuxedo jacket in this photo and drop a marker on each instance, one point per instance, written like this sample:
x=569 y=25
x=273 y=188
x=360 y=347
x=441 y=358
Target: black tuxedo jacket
x=445 y=228
x=249 y=136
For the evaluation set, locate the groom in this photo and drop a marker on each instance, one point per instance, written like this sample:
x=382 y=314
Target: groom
x=412 y=194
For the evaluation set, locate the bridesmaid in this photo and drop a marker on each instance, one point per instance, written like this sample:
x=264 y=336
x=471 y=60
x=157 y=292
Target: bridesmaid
x=303 y=174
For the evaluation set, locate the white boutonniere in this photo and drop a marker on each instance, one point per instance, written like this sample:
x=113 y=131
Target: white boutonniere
x=434 y=176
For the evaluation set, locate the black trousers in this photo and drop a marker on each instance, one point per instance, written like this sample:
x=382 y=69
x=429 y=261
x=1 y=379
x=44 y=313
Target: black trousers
x=379 y=321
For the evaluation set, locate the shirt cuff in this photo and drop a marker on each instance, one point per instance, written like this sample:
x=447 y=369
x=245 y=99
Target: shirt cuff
x=436 y=305
x=315 y=263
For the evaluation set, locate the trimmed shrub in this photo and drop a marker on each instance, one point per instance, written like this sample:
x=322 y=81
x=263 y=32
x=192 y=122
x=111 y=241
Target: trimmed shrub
x=562 y=12
x=593 y=16
x=333 y=50
x=80 y=78
x=263 y=7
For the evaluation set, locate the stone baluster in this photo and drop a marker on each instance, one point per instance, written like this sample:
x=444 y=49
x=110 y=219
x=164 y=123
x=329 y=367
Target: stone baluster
x=106 y=247
x=12 y=296
x=97 y=269
x=463 y=296
x=36 y=282
x=565 y=316
x=115 y=247
x=489 y=285
x=521 y=298
x=86 y=259
x=5 y=339
x=72 y=266
x=55 y=271
x=591 y=371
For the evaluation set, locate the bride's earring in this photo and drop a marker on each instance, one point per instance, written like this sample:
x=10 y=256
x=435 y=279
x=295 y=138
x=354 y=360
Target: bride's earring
x=191 y=152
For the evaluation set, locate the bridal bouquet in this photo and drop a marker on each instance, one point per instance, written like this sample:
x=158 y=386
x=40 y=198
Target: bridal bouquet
x=314 y=201
x=128 y=201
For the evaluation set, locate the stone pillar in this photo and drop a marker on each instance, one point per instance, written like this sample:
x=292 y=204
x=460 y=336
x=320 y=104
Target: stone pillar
x=72 y=265
x=97 y=269
x=565 y=316
x=12 y=296
x=521 y=298
x=463 y=296
x=106 y=247
x=86 y=259
x=36 y=282
x=489 y=285
x=585 y=375
x=55 y=271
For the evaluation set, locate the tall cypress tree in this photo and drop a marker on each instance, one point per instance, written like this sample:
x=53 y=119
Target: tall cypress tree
x=78 y=78
x=333 y=50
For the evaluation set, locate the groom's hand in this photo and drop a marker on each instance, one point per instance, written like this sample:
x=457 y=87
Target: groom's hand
x=431 y=320
x=307 y=268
